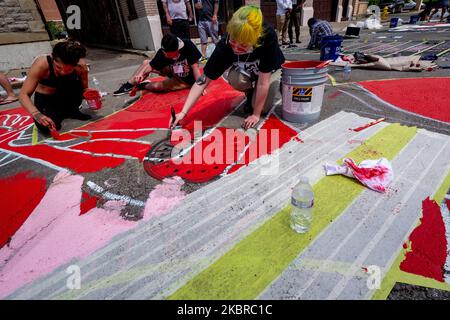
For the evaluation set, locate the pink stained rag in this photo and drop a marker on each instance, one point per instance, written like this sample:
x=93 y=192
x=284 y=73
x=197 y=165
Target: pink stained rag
x=374 y=174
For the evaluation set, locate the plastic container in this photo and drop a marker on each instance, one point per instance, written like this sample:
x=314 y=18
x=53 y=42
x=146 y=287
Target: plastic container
x=93 y=99
x=414 y=19
x=347 y=72
x=302 y=201
x=330 y=47
x=393 y=23
x=303 y=86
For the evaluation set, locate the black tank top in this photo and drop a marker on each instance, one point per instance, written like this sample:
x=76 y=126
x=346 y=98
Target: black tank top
x=53 y=81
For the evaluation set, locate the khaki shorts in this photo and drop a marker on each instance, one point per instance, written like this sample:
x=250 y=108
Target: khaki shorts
x=244 y=84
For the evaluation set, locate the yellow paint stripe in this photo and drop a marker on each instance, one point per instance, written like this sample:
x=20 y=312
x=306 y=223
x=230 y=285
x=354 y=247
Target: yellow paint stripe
x=332 y=79
x=34 y=136
x=249 y=267
x=395 y=275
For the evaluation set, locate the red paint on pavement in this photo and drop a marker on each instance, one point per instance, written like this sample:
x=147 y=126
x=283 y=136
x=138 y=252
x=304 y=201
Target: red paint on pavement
x=88 y=202
x=128 y=148
x=428 y=244
x=424 y=96
x=75 y=161
x=19 y=195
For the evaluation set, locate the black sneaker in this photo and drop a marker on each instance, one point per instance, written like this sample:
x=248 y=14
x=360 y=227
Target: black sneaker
x=141 y=86
x=124 y=89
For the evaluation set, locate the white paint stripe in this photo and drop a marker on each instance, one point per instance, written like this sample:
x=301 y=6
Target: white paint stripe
x=10 y=161
x=5 y=157
x=120 y=130
x=405 y=49
x=378 y=236
x=40 y=161
x=112 y=155
x=429 y=48
x=360 y=100
x=369 y=93
x=112 y=196
x=446 y=218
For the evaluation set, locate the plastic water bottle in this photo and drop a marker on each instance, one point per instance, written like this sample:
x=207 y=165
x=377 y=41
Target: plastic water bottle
x=97 y=86
x=302 y=203
x=347 y=72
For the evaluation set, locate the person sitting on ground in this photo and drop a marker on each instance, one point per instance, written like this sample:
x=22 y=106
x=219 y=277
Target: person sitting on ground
x=317 y=30
x=11 y=96
x=58 y=82
x=425 y=13
x=177 y=60
x=439 y=4
x=251 y=52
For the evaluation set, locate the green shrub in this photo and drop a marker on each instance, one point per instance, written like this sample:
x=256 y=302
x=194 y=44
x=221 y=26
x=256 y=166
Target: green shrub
x=56 y=28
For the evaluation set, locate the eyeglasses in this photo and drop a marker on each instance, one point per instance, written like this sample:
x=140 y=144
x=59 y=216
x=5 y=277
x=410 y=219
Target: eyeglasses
x=239 y=48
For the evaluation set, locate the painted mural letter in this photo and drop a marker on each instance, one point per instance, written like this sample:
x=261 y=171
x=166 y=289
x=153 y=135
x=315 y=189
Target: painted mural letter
x=73 y=17
x=374 y=280
x=74 y=280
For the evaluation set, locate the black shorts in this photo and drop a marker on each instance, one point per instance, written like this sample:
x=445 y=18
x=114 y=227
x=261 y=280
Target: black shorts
x=56 y=107
x=181 y=28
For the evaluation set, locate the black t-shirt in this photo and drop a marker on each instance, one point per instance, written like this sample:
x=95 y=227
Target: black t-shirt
x=181 y=67
x=207 y=11
x=265 y=58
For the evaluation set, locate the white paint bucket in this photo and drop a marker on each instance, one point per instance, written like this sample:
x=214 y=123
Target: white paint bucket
x=303 y=86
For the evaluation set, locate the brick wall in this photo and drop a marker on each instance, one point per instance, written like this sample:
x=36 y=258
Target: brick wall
x=19 y=16
x=143 y=8
x=50 y=10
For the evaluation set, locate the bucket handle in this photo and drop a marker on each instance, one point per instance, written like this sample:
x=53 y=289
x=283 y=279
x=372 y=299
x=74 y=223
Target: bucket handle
x=323 y=64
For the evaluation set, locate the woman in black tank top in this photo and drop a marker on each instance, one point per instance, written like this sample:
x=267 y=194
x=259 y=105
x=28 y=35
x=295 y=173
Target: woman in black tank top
x=58 y=82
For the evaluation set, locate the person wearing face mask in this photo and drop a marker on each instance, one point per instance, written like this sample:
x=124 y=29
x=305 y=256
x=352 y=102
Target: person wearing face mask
x=177 y=60
x=251 y=53
x=58 y=82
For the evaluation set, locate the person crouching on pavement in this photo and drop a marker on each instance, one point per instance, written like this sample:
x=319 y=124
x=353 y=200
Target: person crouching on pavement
x=11 y=96
x=251 y=52
x=317 y=30
x=177 y=59
x=58 y=82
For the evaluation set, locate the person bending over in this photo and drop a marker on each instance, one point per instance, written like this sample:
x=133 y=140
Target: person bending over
x=58 y=82
x=177 y=60
x=251 y=52
x=317 y=30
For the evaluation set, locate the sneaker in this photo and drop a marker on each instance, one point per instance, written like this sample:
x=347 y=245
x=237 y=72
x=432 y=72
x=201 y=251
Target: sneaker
x=141 y=86
x=203 y=60
x=124 y=89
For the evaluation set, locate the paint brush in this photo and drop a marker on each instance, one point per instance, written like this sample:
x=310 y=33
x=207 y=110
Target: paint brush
x=134 y=91
x=55 y=134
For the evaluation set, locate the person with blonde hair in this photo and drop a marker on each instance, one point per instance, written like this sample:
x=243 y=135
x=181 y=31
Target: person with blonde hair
x=250 y=51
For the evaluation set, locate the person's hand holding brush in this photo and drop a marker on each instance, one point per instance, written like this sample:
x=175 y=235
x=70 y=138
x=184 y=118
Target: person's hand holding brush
x=44 y=120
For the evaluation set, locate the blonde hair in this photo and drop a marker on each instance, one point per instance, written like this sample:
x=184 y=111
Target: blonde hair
x=246 y=25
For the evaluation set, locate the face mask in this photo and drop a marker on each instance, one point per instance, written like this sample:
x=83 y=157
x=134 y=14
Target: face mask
x=239 y=49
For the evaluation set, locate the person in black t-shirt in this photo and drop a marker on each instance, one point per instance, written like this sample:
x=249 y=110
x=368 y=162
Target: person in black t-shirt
x=177 y=60
x=251 y=52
